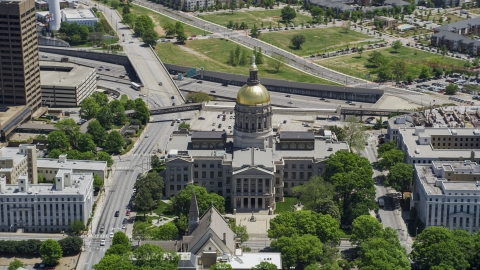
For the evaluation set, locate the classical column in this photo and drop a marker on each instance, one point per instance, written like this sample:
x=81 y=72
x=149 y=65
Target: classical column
x=427 y=215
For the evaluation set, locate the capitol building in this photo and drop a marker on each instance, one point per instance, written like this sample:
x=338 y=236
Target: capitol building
x=254 y=166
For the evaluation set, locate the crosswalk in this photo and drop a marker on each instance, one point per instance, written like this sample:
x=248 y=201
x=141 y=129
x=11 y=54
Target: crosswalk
x=142 y=155
x=124 y=168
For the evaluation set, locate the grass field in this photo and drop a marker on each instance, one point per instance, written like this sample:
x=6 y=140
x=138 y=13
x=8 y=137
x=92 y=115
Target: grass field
x=267 y=17
x=213 y=54
x=159 y=20
x=286 y=205
x=353 y=65
x=317 y=40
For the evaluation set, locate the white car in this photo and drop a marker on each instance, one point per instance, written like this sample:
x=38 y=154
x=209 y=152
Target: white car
x=111 y=235
x=102 y=242
x=146 y=136
x=44 y=56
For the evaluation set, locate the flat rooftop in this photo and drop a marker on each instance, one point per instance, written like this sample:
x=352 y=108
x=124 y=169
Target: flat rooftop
x=12 y=152
x=434 y=185
x=78 y=14
x=87 y=165
x=426 y=151
x=70 y=76
x=85 y=182
x=249 y=260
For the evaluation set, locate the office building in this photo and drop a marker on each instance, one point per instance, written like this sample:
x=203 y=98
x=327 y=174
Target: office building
x=81 y=16
x=46 y=207
x=19 y=67
x=256 y=166
x=447 y=194
x=66 y=84
x=17 y=161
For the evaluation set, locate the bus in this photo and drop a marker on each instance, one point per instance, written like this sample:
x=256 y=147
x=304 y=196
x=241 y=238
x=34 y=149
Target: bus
x=135 y=86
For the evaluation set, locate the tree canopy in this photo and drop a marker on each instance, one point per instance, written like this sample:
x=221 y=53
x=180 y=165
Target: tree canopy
x=317 y=195
x=288 y=13
x=399 y=176
x=354 y=134
x=298 y=251
x=390 y=158
x=51 y=251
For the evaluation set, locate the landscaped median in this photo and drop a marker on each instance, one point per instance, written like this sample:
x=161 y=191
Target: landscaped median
x=415 y=60
x=213 y=54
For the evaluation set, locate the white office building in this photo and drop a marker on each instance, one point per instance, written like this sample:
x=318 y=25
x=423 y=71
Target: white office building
x=46 y=207
x=79 y=16
x=448 y=194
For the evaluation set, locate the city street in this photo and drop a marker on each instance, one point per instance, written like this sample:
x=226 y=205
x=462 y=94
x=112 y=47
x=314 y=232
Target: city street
x=390 y=216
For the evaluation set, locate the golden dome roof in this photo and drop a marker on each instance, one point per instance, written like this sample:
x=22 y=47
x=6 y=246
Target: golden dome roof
x=253 y=95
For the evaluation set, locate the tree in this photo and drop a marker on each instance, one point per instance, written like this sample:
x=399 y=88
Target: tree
x=233 y=5
x=278 y=62
x=377 y=59
x=451 y=89
x=390 y=145
x=365 y=227
x=149 y=191
x=259 y=56
x=118 y=111
x=71 y=244
x=317 y=195
x=155 y=162
x=76 y=39
x=104 y=156
x=128 y=19
x=221 y=266
x=15 y=264
x=126 y=10
x=118 y=250
x=150 y=37
x=97 y=182
x=85 y=143
x=98 y=133
x=265 y=266
x=390 y=158
x=141 y=111
x=288 y=14
x=437 y=248
x=339 y=132
x=400 y=176
x=354 y=134
x=165 y=232
x=378 y=253
x=150 y=256
x=143 y=23
x=58 y=140
x=304 y=222
x=55 y=153
x=51 y=251
x=115 y=142
x=316 y=12
x=396 y=45
x=181 y=36
x=351 y=175
x=169 y=29
x=89 y=108
x=240 y=232
x=298 y=251
x=105 y=117
x=77 y=226
x=70 y=128
x=100 y=98
x=198 y=97
x=114 y=261
x=181 y=202
x=114 y=4
x=399 y=69
x=254 y=33
x=297 y=41
x=425 y=73
x=120 y=238
x=360 y=50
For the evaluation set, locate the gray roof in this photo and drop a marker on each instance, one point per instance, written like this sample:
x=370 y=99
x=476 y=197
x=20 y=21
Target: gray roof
x=332 y=4
x=209 y=135
x=459 y=25
x=296 y=135
x=399 y=3
x=213 y=220
x=187 y=261
x=455 y=37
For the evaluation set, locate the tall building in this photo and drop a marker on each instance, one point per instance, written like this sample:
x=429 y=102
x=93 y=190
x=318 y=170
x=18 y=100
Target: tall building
x=255 y=166
x=19 y=60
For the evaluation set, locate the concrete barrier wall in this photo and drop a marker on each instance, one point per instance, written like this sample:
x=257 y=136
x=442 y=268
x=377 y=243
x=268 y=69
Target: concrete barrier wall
x=47 y=41
x=113 y=58
x=309 y=89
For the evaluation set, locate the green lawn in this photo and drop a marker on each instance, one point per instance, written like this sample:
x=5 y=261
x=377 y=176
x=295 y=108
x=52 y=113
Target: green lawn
x=160 y=210
x=123 y=98
x=267 y=17
x=213 y=54
x=286 y=205
x=354 y=65
x=317 y=40
x=106 y=25
x=159 y=20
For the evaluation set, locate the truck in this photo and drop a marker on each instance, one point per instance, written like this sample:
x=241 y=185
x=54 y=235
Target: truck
x=381 y=202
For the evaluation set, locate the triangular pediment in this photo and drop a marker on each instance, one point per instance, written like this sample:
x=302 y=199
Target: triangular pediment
x=252 y=171
x=178 y=160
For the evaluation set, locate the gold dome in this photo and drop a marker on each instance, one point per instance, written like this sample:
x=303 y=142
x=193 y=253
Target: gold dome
x=253 y=95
